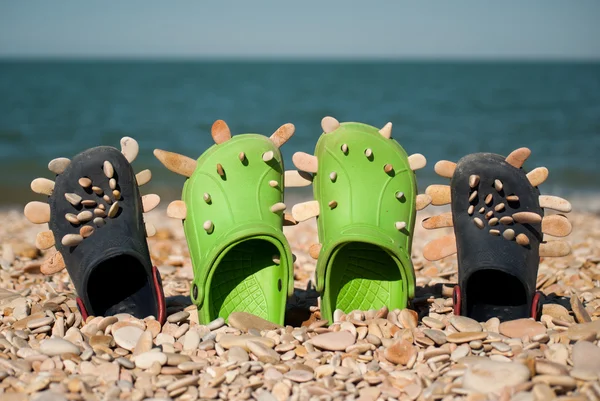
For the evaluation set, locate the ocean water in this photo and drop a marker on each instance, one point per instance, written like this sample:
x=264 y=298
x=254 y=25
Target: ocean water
x=50 y=109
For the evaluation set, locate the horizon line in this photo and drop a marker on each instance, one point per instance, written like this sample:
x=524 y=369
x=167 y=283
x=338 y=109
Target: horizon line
x=296 y=58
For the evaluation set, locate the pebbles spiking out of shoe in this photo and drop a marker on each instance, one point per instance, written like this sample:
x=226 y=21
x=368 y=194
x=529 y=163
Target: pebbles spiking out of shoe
x=499 y=207
x=88 y=213
x=221 y=133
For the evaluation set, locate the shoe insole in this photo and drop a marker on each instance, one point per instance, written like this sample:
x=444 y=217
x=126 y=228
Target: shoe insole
x=244 y=281
x=362 y=277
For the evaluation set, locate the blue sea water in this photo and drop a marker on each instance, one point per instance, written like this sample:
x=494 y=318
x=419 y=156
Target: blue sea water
x=50 y=109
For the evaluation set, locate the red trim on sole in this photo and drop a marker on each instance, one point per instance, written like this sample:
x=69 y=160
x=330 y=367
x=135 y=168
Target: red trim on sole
x=456 y=298
x=82 y=310
x=535 y=305
x=160 y=296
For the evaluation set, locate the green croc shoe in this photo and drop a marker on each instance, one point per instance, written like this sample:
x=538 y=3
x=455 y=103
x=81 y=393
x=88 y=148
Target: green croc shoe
x=366 y=200
x=232 y=211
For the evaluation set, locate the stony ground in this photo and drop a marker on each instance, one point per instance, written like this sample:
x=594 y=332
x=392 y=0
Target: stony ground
x=48 y=353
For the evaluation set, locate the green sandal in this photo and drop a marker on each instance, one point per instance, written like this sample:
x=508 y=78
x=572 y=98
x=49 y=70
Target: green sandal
x=232 y=212
x=365 y=191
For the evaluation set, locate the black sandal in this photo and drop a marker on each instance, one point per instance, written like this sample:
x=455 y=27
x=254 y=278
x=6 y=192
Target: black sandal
x=94 y=212
x=498 y=219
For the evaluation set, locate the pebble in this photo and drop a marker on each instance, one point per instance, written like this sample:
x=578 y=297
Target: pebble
x=58 y=346
x=229 y=340
x=71 y=240
x=178 y=317
x=109 y=170
x=465 y=324
x=400 y=352
x=465 y=337
x=520 y=328
x=488 y=376
x=437 y=336
x=35 y=323
x=299 y=376
x=191 y=340
x=58 y=165
x=145 y=360
x=263 y=353
x=86 y=231
x=216 y=324
x=127 y=336
x=334 y=341
x=581 y=314
x=73 y=199
x=245 y=321
x=114 y=208
x=85 y=216
x=586 y=357
x=434 y=323
x=238 y=354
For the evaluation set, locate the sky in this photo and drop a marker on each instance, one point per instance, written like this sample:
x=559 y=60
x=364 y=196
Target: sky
x=434 y=29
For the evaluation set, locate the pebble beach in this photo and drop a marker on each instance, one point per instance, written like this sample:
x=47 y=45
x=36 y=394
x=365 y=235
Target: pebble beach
x=47 y=352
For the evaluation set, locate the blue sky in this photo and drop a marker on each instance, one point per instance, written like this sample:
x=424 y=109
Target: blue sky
x=532 y=29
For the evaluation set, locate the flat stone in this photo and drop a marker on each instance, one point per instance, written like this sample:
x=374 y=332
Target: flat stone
x=299 y=376
x=558 y=312
x=521 y=327
x=434 y=323
x=584 y=330
x=35 y=323
x=229 y=340
x=464 y=324
x=467 y=336
x=191 y=340
x=127 y=336
x=400 y=352
x=263 y=353
x=334 y=341
x=58 y=346
x=144 y=343
x=238 y=354
x=489 y=376
x=147 y=359
x=58 y=165
x=557 y=353
x=586 y=357
x=460 y=352
x=581 y=314
x=178 y=317
x=245 y=321
x=215 y=324
x=546 y=367
x=408 y=318
x=437 y=336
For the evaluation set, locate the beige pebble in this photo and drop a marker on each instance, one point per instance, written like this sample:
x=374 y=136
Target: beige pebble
x=114 y=208
x=73 y=198
x=463 y=323
x=85 y=182
x=71 y=240
x=85 y=216
x=108 y=169
x=335 y=341
x=59 y=165
x=521 y=327
x=86 y=231
x=509 y=234
x=127 y=336
x=465 y=337
x=473 y=180
x=478 y=222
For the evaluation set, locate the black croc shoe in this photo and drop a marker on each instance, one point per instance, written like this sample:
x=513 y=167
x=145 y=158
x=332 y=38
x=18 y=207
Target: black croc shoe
x=94 y=212
x=498 y=217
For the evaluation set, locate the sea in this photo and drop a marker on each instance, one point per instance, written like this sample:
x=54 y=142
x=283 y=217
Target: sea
x=443 y=110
